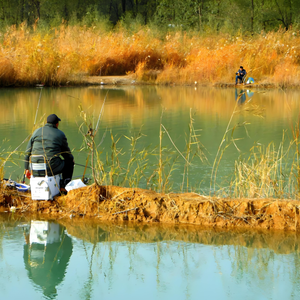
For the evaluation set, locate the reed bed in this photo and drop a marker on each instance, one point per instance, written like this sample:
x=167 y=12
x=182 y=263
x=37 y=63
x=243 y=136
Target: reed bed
x=30 y=56
x=271 y=171
x=138 y=165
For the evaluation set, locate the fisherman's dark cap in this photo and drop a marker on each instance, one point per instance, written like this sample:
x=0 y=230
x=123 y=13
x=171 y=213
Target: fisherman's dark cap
x=53 y=119
x=241 y=67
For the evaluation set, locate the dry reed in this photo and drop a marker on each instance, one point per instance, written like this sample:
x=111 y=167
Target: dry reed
x=29 y=56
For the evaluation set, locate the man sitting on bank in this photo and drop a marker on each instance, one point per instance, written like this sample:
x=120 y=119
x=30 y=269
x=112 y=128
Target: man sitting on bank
x=240 y=75
x=52 y=143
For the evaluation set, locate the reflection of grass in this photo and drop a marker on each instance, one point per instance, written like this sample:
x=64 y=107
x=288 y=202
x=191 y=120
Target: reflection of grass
x=135 y=104
x=185 y=250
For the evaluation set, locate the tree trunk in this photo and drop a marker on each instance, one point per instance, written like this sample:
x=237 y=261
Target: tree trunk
x=290 y=13
x=66 y=13
x=218 y=16
x=282 y=19
x=123 y=6
x=22 y=10
x=200 y=18
x=252 y=17
x=37 y=5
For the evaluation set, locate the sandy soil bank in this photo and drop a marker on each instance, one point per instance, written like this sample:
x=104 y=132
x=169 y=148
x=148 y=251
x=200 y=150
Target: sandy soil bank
x=110 y=203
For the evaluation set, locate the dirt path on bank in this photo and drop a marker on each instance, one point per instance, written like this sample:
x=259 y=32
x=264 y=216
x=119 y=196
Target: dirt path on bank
x=110 y=203
x=132 y=80
x=110 y=80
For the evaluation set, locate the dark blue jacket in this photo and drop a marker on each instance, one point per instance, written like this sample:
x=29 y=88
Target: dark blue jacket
x=241 y=73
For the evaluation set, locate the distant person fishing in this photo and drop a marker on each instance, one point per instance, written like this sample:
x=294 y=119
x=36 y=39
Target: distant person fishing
x=240 y=75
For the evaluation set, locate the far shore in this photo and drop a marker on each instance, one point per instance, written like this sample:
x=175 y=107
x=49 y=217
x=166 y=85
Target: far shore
x=72 y=55
x=131 y=80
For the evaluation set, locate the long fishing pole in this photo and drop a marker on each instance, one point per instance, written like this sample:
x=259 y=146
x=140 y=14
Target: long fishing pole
x=85 y=180
x=24 y=176
x=86 y=164
x=37 y=109
x=36 y=113
x=76 y=164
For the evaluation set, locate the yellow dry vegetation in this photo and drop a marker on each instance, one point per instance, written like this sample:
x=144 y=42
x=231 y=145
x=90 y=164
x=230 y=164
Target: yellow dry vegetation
x=29 y=56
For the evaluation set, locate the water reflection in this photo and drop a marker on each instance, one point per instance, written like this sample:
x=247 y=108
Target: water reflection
x=109 y=261
x=235 y=260
x=279 y=242
x=242 y=95
x=250 y=93
x=47 y=251
x=129 y=110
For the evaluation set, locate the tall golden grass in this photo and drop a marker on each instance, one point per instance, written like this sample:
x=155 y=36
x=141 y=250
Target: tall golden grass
x=29 y=56
x=268 y=172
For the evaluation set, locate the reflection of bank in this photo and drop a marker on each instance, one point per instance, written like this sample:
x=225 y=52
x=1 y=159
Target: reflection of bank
x=46 y=255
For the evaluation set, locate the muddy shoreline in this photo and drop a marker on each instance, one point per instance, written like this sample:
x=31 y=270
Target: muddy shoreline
x=131 y=80
x=111 y=203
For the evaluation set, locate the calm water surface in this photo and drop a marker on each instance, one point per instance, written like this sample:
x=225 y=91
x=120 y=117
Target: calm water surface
x=47 y=260
x=130 y=110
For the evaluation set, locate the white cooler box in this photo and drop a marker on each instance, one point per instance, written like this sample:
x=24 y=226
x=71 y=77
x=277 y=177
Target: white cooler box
x=44 y=188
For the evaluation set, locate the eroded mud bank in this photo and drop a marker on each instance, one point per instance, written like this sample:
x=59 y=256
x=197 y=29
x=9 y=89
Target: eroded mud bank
x=110 y=203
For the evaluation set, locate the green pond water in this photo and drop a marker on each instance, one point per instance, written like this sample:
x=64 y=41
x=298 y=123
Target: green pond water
x=69 y=260
x=47 y=260
x=129 y=111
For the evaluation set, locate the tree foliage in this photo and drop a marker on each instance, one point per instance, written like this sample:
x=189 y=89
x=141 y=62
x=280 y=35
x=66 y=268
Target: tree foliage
x=218 y=15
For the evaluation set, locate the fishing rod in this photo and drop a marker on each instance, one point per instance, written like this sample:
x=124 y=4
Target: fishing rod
x=76 y=164
x=85 y=180
x=24 y=176
x=86 y=164
x=36 y=113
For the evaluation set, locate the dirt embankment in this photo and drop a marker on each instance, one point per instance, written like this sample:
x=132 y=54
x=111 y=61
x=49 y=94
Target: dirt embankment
x=110 y=203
